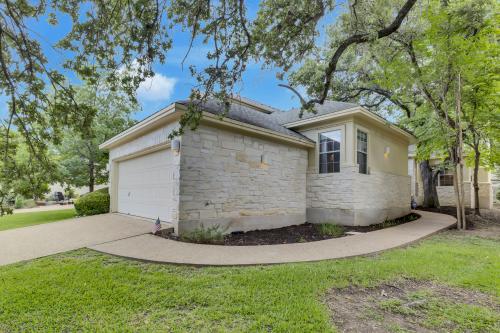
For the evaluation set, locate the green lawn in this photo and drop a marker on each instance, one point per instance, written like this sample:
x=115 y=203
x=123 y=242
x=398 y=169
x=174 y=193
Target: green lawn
x=26 y=219
x=87 y=291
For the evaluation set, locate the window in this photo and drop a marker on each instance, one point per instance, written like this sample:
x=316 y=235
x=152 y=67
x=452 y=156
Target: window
x=329 y=151
x=362 y=152
x=445 y=178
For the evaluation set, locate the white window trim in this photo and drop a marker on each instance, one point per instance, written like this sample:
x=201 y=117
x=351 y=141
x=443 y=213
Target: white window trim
x=341 y=150
x=355 y=146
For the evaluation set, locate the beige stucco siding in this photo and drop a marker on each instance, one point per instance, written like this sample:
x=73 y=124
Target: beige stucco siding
x=351 y=198
x=224 y=182
x=153 y=138
x=380 y=138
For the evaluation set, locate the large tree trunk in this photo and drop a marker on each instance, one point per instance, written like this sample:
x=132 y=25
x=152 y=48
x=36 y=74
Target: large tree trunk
x=91 y=176
x=429 y=178
x=475 y=181
x=457 y=154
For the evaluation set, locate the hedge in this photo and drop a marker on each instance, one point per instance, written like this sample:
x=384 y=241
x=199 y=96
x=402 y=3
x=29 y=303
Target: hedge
x=93 y=203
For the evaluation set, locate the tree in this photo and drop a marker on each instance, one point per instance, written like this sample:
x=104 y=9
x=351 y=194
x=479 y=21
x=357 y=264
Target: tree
x=480 y=103
x=104 y=36
x=22 y=175
x=107 y=36
x=82 y=162
x=416 y=70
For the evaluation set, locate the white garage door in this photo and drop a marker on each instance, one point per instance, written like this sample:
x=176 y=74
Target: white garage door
x=145 y=185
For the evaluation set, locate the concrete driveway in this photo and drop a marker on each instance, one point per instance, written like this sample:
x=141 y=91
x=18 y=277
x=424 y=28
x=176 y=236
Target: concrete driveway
x=51 y=238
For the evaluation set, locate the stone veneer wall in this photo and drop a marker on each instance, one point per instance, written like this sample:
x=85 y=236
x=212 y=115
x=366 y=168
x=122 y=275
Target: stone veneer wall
x=379 y=196
x=446 y=194
x=223 y=182
x=330 y=196
x=351 y=198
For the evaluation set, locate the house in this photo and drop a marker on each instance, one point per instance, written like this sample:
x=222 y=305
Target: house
x=445 y=188
x=260 y=168
x=79 y=191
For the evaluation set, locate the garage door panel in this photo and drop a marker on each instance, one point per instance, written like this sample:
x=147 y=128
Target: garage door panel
x=145 y=185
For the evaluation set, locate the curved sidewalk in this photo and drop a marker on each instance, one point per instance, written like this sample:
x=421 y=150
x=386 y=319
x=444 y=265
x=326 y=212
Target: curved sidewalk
x=161 y=250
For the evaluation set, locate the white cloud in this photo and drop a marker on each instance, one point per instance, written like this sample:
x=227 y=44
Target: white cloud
x=156 y=88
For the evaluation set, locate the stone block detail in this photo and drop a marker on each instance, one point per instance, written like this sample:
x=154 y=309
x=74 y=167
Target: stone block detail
x=351 y=198
x=223 y=181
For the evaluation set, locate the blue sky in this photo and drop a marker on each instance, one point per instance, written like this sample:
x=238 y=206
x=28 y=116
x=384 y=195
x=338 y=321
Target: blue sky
x=171 y=81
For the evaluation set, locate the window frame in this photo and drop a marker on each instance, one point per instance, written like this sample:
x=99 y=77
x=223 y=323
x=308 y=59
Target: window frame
x=366 y=132
x=447 y=173
x=333 y=151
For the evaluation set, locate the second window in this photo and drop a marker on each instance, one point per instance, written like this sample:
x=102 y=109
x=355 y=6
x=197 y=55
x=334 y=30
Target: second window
x=362 y=152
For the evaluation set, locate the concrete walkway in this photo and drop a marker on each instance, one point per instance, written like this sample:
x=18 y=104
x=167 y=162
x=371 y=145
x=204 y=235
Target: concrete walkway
x=51 y=238
x=156 y=249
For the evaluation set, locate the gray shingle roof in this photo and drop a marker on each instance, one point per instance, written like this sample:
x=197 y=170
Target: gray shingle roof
x=285 y=117
x=247 y=115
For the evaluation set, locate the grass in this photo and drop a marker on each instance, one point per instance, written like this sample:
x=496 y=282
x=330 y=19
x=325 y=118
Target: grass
x=20 y=220
x=439 y=315
x=87 y=291
x=202 y=235
x=332 y=230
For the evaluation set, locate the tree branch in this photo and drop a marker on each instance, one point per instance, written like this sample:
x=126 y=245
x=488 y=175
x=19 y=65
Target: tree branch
x=354 y=39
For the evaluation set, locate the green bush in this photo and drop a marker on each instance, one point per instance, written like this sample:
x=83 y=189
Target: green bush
x=93 y=203
x=202 y=235
x=19 y=203
x=330 y=229
x=29 y=203
x=498 y=195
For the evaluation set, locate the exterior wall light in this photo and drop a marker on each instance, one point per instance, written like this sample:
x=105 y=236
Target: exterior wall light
x=387 y=151
x=176 y=146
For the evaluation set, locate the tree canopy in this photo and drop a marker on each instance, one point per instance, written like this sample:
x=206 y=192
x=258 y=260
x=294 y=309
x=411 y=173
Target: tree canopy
x=80 y=161
x=401 y=57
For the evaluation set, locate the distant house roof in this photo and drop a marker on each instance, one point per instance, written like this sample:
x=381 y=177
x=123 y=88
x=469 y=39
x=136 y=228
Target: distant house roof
x=285 y=117
x=248 y=115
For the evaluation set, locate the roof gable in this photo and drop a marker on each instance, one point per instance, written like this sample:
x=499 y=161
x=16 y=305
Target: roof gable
x=285 y=117
x=248 y=115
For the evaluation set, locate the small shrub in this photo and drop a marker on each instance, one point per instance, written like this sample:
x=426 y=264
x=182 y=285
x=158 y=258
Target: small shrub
x=93 y=203
x=330 y=229
x=70 y=193
x=389 y=223
x=19 y=203
x=29 y=203
x=202 y=235
x=301 y=240
x=498 y=195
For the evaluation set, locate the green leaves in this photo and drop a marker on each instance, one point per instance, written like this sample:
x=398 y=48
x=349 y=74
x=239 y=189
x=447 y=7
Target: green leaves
x=109 y=112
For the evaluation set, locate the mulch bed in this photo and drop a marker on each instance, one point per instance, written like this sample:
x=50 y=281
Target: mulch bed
x=488 y=218
x=302 y=233
x=448 y=210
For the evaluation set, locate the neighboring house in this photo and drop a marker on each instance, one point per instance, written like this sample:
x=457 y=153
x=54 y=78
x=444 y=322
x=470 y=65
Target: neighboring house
x=260 y=168
x=78 y=190
x=445 y=188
